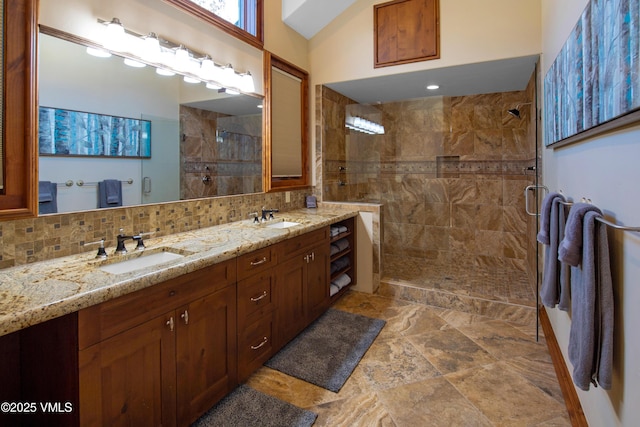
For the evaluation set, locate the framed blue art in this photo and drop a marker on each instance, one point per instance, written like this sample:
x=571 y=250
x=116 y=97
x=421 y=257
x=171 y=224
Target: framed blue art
x=594 y=83
x=75 y=133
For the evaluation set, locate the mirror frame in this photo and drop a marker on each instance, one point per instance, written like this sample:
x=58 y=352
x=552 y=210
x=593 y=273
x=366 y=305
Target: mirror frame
x=18 y=199
x=212 y=18
x=276 y=184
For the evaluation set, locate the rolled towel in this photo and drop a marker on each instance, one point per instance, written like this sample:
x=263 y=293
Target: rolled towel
x=342 y=244
x=570 y=250
x=342 y=229
x=341 y=281
x=340 y=264
x=333 y=289
x=546 y=218
x=334 y=250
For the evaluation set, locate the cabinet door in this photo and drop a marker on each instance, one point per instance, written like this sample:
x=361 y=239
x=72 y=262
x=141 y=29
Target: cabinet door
x=290 y=284
x=130 y=378
x=317 y=282
x=206 y=352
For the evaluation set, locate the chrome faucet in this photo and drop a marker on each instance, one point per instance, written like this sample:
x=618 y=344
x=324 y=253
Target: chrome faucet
x=268 y=211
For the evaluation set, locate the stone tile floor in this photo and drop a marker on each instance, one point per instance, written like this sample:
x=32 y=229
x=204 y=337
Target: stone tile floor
x=434 y=367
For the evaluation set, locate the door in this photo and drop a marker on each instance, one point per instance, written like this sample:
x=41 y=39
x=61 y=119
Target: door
x=290 y=284
x=317 y=281
x=130 y=379
x=206 y=352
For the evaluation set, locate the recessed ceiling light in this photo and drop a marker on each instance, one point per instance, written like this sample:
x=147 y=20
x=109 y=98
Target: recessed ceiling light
x=433 y=87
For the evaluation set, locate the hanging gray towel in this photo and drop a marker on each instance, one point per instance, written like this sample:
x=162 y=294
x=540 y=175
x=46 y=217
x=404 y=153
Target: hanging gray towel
x=570 y=250
x=592 y=309
x=552 y=291
x=544 y=235
x=109 y=193
x=47 y=197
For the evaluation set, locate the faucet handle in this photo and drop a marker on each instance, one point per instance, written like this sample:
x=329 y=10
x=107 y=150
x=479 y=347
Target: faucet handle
x=102 y=254
x=254 y=215
x=138 y=238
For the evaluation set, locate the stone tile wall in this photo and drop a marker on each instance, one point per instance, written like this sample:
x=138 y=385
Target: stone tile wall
x=450 y=173
x=52 y=236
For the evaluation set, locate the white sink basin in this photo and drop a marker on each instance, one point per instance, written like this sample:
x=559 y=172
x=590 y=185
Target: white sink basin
x=283 y=224
x=143 y=261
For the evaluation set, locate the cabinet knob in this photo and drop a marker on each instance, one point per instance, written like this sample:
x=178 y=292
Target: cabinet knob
x=170 y=323
x=185 y=317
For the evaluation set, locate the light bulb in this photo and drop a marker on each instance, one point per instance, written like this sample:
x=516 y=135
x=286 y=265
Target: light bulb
x=151 y=48
x=182 y=59
x=133 y=63
x=246 y=83
x=207 y=68
x=114 y=35
x=191 y=80
x=100 y=53
x=164 y=72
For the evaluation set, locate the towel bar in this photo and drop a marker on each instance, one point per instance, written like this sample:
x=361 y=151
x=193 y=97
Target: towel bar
x=81 y=183
x=604 y=221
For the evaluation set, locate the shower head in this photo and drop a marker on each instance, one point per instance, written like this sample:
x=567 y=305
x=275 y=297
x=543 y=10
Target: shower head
x=515 y=112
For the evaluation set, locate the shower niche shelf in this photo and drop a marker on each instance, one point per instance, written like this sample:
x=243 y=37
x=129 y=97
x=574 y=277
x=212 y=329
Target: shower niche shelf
x=343 y=258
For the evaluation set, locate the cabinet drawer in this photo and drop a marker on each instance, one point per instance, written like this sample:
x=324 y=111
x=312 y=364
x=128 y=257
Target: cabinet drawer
x=255 y=346
x=120 y=314
x=256 y=261
x=255 y=297
x=299 y=244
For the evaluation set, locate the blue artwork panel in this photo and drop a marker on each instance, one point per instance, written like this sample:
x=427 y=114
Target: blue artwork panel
x=596 y=76
x=77 y=133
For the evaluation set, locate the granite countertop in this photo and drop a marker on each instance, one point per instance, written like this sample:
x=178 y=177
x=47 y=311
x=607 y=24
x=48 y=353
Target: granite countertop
x=34 y=293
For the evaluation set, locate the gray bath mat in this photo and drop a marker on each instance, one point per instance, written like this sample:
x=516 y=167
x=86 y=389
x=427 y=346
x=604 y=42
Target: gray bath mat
x=246 y=407
x=328 y=350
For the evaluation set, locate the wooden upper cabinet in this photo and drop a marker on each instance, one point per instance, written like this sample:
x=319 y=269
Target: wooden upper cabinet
x=406 y=31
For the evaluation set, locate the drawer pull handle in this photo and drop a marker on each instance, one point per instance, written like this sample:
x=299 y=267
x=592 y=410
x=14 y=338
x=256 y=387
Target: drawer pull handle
x=185 y=316
x=256 y=299
x=264 y=341
x=262 y=261
x=170 y=323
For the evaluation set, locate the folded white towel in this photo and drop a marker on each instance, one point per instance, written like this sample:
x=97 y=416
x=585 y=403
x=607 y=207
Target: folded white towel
x=333 y=289
x=334 y=231
x=341 y=281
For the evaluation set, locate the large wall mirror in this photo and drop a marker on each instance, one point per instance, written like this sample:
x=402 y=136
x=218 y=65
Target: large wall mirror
x=203 y=142
x=17 y=183
x=286 y=148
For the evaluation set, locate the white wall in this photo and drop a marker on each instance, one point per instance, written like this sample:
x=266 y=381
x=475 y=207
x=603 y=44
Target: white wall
x=471 y=31
x=604 y=169
x=71 y=79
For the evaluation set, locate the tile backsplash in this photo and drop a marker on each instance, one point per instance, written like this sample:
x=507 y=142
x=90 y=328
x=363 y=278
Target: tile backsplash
x=51 y=236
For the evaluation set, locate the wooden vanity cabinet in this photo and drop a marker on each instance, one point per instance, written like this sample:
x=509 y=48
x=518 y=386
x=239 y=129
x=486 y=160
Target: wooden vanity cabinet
x=303 y=290
x=159 y=356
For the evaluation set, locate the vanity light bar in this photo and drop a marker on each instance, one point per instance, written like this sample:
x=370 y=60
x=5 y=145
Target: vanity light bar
x=176 y=58
x=363 y=125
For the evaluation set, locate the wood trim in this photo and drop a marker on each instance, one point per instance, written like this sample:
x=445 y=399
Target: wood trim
x=212 y=18
x=280 y=184
x=19 y=104
x=574 y=408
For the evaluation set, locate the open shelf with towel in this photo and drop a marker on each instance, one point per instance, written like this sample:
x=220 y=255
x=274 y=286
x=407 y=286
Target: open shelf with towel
x=343 y=257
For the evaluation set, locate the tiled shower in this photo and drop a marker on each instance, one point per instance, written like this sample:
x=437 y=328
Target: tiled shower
x=451 y=174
